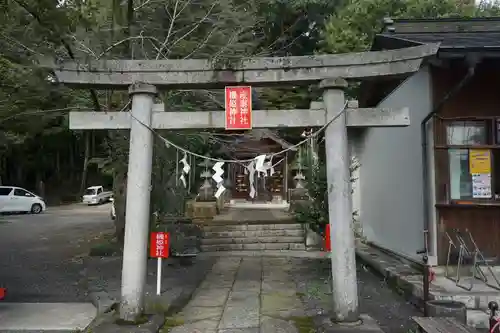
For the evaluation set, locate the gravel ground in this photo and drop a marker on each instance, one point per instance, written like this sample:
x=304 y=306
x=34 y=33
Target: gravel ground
x=390 y=310
x=43 y=258
x=39 y=253
x=104 y=274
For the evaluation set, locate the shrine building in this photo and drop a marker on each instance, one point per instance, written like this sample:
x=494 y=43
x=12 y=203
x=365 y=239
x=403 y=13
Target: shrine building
x=440 y=177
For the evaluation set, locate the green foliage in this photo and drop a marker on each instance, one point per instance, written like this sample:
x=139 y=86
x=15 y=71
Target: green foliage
x=315 y=214
x=304 y=324
x=353 y=27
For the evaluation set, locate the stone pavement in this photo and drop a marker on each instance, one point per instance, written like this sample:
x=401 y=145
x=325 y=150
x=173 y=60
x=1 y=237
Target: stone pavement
x=262 y=294
x=244 y=295
x=38 y=317
x=408 y=280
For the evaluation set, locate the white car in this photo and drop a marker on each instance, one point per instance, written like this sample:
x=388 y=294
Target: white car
x=16 y=199
x=96 y=195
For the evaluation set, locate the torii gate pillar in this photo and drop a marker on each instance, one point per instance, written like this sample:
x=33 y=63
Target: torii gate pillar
x=138 y=194
x=344 y=282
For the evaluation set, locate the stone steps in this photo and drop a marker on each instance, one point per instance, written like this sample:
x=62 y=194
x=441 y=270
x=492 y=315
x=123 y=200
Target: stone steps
x=253 y=247
x=252 y=240
x=252 y=227
x=253 y=237
x=254 y=233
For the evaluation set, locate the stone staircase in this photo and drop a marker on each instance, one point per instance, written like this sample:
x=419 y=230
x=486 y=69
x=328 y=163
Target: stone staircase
x=252 y=230
x=253 y=237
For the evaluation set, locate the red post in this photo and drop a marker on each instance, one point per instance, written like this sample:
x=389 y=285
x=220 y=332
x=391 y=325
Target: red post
x=3 y=291
x=328 y=244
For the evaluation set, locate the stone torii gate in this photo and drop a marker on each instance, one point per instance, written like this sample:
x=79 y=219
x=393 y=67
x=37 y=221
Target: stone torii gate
x=144 y=77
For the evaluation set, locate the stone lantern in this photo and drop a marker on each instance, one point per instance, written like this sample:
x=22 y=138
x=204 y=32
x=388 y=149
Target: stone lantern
x=300 y=190
x=207 y=190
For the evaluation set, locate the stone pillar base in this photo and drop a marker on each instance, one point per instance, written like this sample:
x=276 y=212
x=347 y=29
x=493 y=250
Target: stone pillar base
x=314 y=241
x=298 y=204
x=201 y=212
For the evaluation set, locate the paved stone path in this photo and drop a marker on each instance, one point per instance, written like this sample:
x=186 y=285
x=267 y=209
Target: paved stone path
x=243 y=295
x=282 y=295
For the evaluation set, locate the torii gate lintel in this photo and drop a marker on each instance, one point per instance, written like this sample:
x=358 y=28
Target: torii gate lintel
x=316 y=116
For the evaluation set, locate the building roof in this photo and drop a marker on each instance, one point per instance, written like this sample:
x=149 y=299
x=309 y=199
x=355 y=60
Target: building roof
x=458 y=37
x=454 y=33
x=269 y=134
x=239 y=144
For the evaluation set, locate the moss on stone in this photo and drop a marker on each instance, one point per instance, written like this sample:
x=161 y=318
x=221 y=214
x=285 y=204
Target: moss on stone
x=155 y=306
x=171 y=322
x=304 y=324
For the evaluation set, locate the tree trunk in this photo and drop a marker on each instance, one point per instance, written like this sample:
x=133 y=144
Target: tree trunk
x=58 y=165
x=2 y=167
x=19 y=175
x=120 y=196
x=120 y=177
x=71 y=162
x=85 y=162
x=93 y=149
x=40 y=186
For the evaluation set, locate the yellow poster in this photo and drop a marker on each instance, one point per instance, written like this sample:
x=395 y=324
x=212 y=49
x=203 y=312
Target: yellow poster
x=480 y=161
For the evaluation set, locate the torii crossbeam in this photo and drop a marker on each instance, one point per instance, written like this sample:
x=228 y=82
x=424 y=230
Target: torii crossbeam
x=356 y=117
x=143 y=77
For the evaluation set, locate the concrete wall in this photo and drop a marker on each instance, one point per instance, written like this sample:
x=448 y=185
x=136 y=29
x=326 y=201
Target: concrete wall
x=390 y=176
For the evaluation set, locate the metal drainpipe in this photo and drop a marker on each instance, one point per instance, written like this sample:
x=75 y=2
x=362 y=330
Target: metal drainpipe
x=472 y=62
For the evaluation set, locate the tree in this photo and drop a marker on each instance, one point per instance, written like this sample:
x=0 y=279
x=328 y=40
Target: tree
x=222 y=30
x=354 y=26
x=31 y=142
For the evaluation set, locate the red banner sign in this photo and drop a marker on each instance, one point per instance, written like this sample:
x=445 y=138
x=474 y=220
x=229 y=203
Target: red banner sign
x=238 y=108
x=159 y=245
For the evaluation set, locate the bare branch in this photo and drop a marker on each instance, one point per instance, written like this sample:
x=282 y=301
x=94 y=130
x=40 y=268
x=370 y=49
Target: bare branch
x=12 y=40
x=172 y=21
x=85 y=49
x=202 y=44
x=123 y=41
x=193 y=29
x=145 y=3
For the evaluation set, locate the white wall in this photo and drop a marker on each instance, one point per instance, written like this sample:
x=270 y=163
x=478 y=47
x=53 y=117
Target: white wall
x=390 y=176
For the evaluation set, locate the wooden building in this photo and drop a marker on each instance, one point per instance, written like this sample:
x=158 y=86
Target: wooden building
x=270 y=188
x=447 y=163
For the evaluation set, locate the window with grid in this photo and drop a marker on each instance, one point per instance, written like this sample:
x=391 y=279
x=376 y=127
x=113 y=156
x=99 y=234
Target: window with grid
x=473 y=153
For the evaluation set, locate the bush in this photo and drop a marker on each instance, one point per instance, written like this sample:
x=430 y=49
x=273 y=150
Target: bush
x=316 y=213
